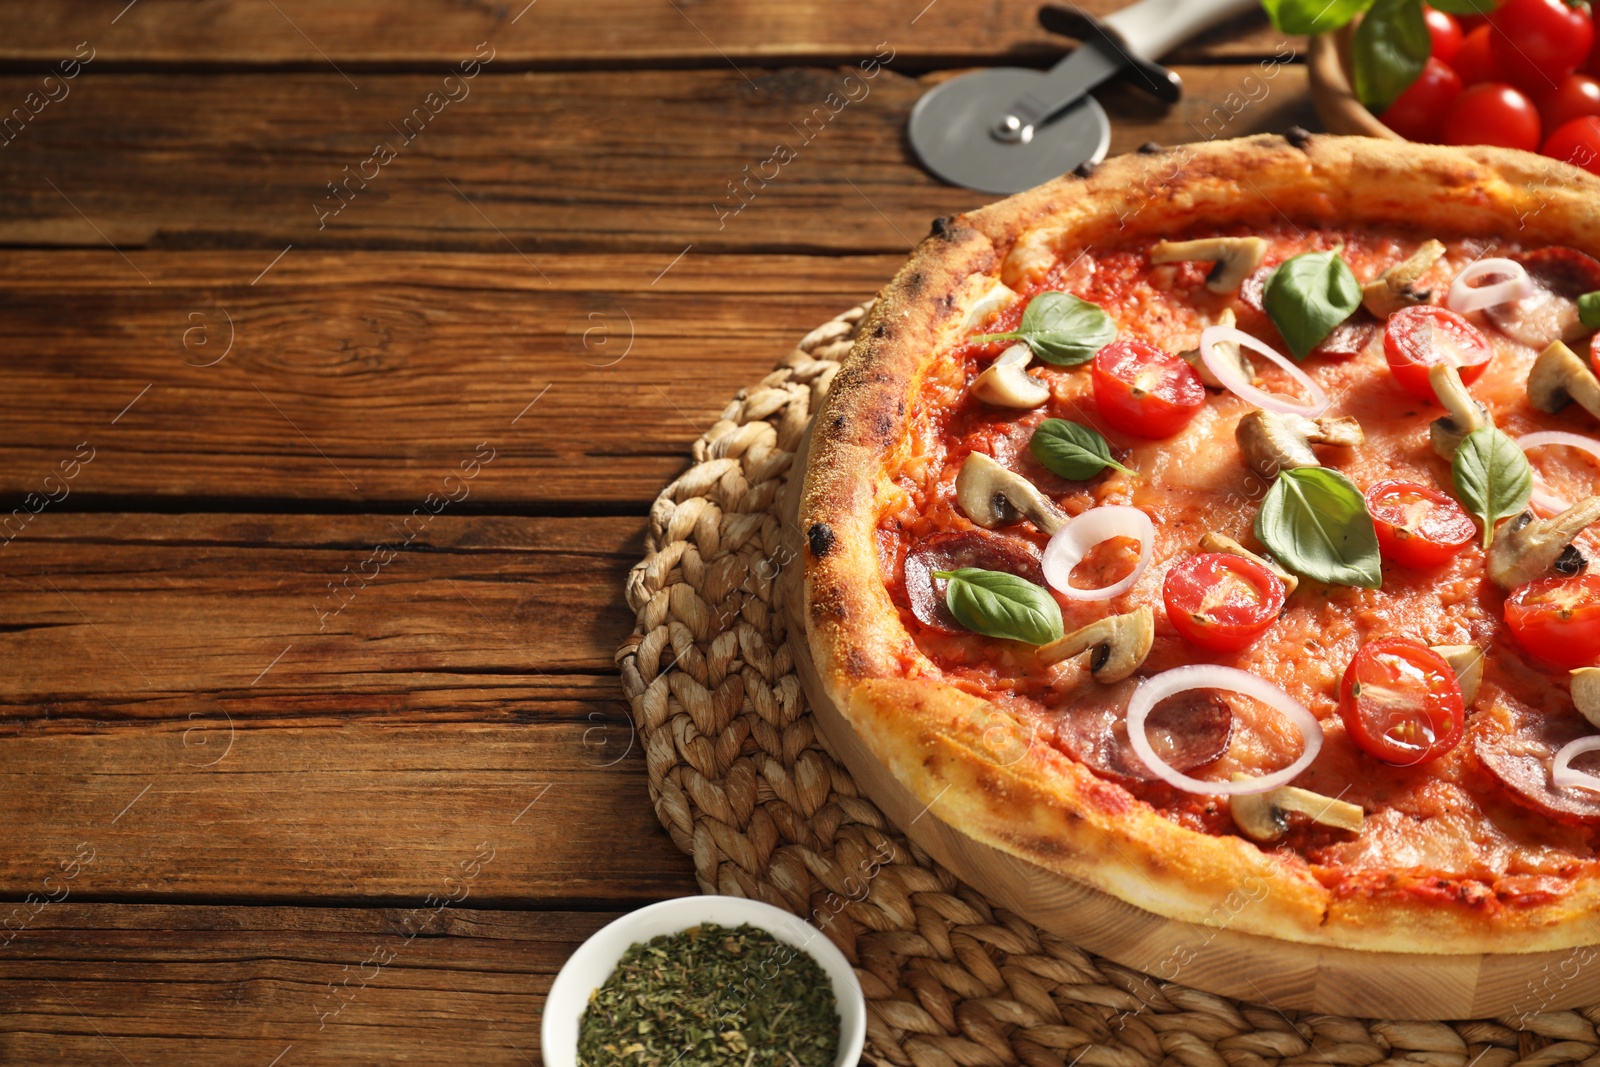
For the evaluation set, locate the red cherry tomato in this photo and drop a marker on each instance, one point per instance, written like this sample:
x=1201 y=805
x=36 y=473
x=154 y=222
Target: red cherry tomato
x=1418 y=337
x=1401 y=702
x=1417 y=113
x=1418 y=526
x=1538 y=42
x=1446 y=34
x=1221 y=601
x=1576 y=96
x=1143 y=391
x=1594 y=353
x=1494 y=114
x=1558 y=619
x=1475 y=58
x=1576 y=142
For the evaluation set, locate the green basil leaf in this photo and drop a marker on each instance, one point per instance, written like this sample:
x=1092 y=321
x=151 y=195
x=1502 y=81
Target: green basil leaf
x=1312 y=16
x=1589 y=309
x=1492 y=476
x=1308 y=295
x=997 y=604
x=1392 y=44
x=1061 y=329
x=1464 y=7
x=1072 y=451
x=1315 y=522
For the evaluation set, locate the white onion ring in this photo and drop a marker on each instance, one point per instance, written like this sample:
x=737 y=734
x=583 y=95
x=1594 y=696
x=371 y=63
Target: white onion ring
x=1082 y=532
x=1562 y=776
x=1229 y=376
x=1543 y=498
x=1154 y=690
x=1465 y=297
x=1017 y=353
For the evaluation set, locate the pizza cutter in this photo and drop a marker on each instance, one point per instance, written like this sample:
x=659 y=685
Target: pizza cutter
x=1009 y=128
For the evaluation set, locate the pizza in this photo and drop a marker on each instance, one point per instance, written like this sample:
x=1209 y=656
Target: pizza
x=1220 y=515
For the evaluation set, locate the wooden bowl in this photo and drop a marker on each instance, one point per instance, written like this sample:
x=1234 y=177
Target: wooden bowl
x=1332 y=92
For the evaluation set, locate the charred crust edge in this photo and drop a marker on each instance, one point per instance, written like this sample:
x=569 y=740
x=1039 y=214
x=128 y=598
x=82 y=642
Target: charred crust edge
x=1298 y=136
x=1150 y=148
x=820 y=538
x=1086 y=169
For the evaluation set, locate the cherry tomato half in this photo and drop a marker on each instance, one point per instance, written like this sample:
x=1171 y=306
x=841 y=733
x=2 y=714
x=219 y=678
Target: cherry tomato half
x=1143 y=391
x=1558 y=619
x=1576 y=96
x=1539 y=42
x=1418 y=526
x=1494 y=114
x=1221 y=601
x=1576 y=142
x=1475 y=58
x=1594 y=353
x=1445 y=32
x=1417 y=113
x=1418 y=337
x=1401 y=702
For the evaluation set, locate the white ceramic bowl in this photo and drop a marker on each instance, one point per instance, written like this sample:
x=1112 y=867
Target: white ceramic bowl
x=597 y=957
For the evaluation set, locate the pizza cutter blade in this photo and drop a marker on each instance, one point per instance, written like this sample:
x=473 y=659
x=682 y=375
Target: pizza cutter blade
x=1009 y=128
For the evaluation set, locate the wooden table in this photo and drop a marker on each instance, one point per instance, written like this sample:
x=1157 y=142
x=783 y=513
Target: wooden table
x=344 y=355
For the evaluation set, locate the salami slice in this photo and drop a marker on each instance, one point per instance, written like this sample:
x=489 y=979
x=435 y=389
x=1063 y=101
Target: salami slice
x=1348 y=338
x=952 y=551
x=1516 y=746
x=1188 y=730
x=1560 y=275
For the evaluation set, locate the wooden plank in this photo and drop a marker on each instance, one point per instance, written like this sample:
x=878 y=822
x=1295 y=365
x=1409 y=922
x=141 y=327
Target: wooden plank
x=556 y=33
x=294 y=987
x=648 y=160
x=169 y=605
x=170 y=707
x=365 y=379
x=360 y=812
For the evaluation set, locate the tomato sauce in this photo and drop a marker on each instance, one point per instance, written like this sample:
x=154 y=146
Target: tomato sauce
x=1449 y=824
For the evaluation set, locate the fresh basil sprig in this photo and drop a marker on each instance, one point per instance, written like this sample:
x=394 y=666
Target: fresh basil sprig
x=1072 y=451
x=997 y=604
x=1061 y=329
x=1391 y=46
x=1589 y=309
x=1316 y=523
x=1308 y=295
x=1492 y=476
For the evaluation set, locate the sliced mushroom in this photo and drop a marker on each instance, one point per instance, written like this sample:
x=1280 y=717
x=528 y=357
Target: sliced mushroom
x=1466 y=413
x=1586 y=693
x=1117 y=644
x=1216 y=542
x=1527 y=548
x=990 y=495
x=1265 y=816
x=1395 y=288
x=1467 y=662
x=1009 y=385
x=1559 y=376
x=1274 y=442
x=1228 y=350
x=1234 y=257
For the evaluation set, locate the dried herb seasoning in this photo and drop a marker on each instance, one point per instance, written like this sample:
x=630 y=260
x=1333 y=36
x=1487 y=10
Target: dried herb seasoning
x=712 y=996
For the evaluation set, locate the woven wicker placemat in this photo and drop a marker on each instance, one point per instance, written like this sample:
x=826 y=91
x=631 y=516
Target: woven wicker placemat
x=741 y=782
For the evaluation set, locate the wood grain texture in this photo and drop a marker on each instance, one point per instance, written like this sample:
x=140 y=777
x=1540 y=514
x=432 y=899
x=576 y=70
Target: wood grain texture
x=363 y=380
x=149 y=984
x=557 y=33
x=538 y=163
x=170 y=704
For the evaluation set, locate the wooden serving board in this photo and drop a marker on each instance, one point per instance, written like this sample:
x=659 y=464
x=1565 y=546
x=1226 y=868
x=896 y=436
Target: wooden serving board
x=1281 y=974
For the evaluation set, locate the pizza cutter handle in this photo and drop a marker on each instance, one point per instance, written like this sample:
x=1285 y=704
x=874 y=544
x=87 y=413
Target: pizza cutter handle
x=1152 y=28
x=1141 y=33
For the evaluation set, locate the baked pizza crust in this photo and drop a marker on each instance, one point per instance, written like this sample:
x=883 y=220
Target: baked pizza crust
x=937 y=740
